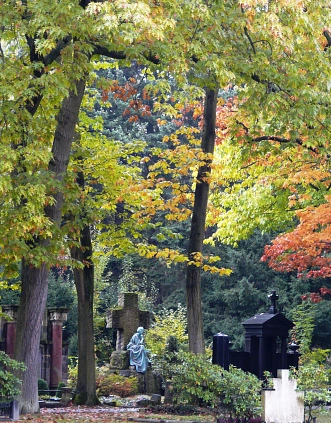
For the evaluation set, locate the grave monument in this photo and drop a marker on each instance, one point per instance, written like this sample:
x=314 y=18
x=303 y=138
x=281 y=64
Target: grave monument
x=126 y=318
x=266 y=347
x=283 y=403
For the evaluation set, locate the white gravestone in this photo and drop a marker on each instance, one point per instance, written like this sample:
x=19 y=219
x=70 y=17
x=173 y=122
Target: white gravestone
x=283 y=404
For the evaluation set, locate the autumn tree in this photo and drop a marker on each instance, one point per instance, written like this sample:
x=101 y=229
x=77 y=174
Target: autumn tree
x=46 y=55
x=53 y=65
x=306 y=249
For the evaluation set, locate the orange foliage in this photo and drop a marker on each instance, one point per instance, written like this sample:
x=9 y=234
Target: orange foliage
x=307 y=249
x=317 y=297
x=129 y=92
x=224 y=115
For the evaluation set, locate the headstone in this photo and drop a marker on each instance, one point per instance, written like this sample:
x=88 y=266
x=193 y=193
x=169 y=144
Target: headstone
x=125 y=318
x=143 y=402
x=283 y=404
x=155 y=399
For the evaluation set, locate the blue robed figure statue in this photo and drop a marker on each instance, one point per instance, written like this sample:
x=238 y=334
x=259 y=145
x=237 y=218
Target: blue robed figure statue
x=138 y=353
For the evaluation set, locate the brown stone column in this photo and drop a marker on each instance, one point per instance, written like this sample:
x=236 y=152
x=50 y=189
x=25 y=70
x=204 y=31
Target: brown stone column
x=56 y=318
x=10 y=328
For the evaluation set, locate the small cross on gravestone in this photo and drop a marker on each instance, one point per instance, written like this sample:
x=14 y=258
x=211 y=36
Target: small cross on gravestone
x=273 y=298
x=126 y=318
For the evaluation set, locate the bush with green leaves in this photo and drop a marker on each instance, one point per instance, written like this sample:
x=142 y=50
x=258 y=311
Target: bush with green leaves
x=167 y=323
x=233 y=393
x=72 y=372
x=313 y=381
x=59 y=389
x=43 y=386
x=10 y=385
x=313 y=374
x=165 y=338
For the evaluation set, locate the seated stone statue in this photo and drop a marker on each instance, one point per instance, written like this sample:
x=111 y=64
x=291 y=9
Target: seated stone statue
x=138 y=353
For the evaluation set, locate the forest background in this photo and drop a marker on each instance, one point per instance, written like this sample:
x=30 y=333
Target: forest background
x=227 y=300
x=105 y=162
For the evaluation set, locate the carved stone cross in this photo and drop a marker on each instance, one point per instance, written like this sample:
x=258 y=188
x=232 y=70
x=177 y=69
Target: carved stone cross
x=126 y=318
x=273 y=298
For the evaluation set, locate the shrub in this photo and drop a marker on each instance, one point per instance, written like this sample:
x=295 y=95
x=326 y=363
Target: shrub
x=233 y=393
x=72 y=373
x=114 y=384
x=58 y=390
x=313 y=381
x=43 y=387
x=165 y=338
x=167 y=323
x=9 y=383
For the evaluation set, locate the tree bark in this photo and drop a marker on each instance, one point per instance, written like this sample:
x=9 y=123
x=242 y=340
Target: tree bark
x=84 y=281
x=35 y=280
x=29 y=324
x=193 y=272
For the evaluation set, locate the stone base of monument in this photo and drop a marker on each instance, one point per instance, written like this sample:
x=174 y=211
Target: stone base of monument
x=120 y=360
x=148 y=383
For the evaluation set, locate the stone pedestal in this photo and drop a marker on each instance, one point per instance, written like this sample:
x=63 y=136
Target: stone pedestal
x=120 y=360
x=148 y=383
x=66 y=395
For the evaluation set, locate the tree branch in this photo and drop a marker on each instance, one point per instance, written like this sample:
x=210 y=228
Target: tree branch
x=104 y=51
x=283 y=140
x=327 y=35
x=55 y=53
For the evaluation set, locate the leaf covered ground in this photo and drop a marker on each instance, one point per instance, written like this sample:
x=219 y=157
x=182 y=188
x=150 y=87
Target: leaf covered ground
x=103 y=414
x=106 y=414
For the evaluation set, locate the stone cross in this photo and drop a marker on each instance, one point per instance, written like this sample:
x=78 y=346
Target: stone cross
x=273 y=298
x=284 y=403
x=126 y=318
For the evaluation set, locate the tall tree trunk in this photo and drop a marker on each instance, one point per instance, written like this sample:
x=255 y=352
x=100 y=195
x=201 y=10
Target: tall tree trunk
x=193 y=273
x=84 y=281
x=35 y=280
x=29 y=324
